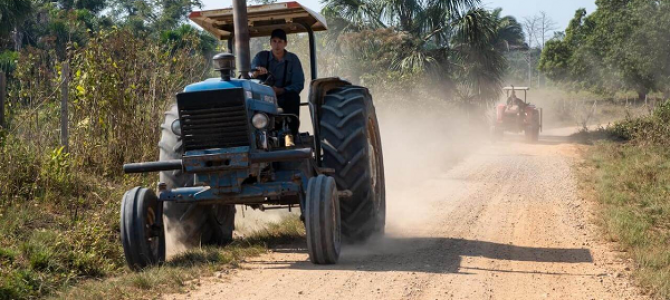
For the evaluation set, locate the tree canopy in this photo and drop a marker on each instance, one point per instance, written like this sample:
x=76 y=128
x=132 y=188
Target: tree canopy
x=453 y=41
x=624 y=44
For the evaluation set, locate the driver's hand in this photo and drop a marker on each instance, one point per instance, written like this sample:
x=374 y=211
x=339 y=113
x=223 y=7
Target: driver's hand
x=278 y=91
x=258 y=72
x=261 y=71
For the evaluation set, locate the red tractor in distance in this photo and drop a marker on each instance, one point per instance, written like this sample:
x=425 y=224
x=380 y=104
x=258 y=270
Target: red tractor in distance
x=518 y=115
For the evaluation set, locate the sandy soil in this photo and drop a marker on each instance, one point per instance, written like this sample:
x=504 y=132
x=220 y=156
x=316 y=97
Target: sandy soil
x=465 y=221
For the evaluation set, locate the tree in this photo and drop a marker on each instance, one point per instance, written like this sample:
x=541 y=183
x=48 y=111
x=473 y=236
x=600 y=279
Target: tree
x=509 y=32
x=182 y=37
x=435 y=37
x=545 y=28
x=158 y=15
x=622 y=45
x=12 y=15
x=531 y=25
x=94 y=6
x=476 y=41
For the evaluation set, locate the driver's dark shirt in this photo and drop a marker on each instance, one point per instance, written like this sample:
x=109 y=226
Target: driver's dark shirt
x=295 y=78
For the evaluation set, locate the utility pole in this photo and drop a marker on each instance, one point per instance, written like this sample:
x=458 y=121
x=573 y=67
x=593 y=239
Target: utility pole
x=3 y=88
x=65 y=71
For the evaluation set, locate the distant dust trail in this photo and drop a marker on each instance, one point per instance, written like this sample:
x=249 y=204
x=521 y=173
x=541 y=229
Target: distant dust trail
x=467 y=219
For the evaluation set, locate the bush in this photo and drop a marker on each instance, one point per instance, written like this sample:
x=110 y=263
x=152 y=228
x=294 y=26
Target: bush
x=59 y=209
x=120 y=85
x=651 y=130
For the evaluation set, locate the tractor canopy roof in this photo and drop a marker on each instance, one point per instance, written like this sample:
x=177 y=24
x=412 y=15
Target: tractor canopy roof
x=516 y=88
x=292 y=17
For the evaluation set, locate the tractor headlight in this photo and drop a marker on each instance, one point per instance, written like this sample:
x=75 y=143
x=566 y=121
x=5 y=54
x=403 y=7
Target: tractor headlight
x=176 y=127
x=260 y=120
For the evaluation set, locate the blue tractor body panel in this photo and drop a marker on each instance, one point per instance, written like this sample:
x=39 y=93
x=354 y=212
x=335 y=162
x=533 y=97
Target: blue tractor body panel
x=222 y=174
x=259 y=97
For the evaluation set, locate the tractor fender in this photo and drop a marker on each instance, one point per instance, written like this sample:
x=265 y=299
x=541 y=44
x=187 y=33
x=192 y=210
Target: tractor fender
x=500 y=112
x=318 y=89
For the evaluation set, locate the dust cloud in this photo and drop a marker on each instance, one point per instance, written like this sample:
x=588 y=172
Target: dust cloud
x=420 y=142
x=174 y=238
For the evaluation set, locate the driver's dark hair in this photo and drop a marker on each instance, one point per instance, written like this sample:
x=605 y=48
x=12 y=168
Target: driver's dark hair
x=279 y=33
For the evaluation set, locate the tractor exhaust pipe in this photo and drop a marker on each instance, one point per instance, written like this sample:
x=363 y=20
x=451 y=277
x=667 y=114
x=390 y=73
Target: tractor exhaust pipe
x=241 y=24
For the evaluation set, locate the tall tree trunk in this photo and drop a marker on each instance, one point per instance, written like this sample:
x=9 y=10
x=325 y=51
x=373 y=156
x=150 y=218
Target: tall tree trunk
x=17 y=39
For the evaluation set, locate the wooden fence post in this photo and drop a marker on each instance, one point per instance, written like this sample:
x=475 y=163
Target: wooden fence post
x=3 y=88
x=65 y=71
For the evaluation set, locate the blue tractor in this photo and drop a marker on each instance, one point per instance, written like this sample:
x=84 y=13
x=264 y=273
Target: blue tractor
x=226 y=142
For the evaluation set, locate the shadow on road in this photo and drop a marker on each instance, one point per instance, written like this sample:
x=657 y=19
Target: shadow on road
x=434 y=255
x=548 y=140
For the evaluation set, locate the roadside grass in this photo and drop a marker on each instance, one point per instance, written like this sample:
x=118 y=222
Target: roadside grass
x=631 y=177
x=183 y=271
x=59 y=230
x=57 y=225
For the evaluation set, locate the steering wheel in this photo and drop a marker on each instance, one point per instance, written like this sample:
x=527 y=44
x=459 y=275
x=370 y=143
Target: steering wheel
x=269 y=78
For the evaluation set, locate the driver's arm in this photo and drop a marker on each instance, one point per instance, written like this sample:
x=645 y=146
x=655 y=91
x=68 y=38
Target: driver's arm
x=255 y=65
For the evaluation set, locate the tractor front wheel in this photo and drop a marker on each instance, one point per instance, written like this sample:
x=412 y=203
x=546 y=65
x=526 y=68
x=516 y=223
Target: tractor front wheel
x=142 y=233
x=532 y=133
x=322 y=220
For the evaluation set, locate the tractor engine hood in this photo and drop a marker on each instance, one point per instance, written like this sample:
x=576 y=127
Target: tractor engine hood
x=259 y=97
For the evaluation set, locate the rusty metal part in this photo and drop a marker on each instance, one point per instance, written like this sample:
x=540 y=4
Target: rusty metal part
x=288 y=16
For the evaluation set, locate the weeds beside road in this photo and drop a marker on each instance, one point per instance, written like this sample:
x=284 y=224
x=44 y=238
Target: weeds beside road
x=68 y=247
x=632 y=183
x=184 y=271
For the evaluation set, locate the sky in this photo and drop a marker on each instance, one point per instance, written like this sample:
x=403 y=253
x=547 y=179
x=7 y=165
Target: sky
x=560 y=12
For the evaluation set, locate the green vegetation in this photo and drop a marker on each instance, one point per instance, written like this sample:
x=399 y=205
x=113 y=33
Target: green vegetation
x=632 y=180
x=623 y=45
x=181 y=272
x=454 y=46
x=126 y=59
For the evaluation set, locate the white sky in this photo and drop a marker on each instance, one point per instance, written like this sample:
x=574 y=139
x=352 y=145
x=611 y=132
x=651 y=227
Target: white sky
x=559 y=11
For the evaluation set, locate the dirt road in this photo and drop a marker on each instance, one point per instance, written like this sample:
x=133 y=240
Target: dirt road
x=493 y=221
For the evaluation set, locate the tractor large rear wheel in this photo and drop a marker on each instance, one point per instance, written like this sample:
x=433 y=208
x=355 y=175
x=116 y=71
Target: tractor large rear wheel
x=191 y=224
x=351 y=143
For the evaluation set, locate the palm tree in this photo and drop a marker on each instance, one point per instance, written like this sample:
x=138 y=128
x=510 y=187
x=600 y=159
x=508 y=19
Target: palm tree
x=452 y=40
x=482 y=65
x=508 y=30
x=12 y=13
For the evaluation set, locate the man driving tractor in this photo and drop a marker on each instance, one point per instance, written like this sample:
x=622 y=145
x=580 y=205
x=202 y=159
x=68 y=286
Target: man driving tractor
x=282 y=71
x=514 y=104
